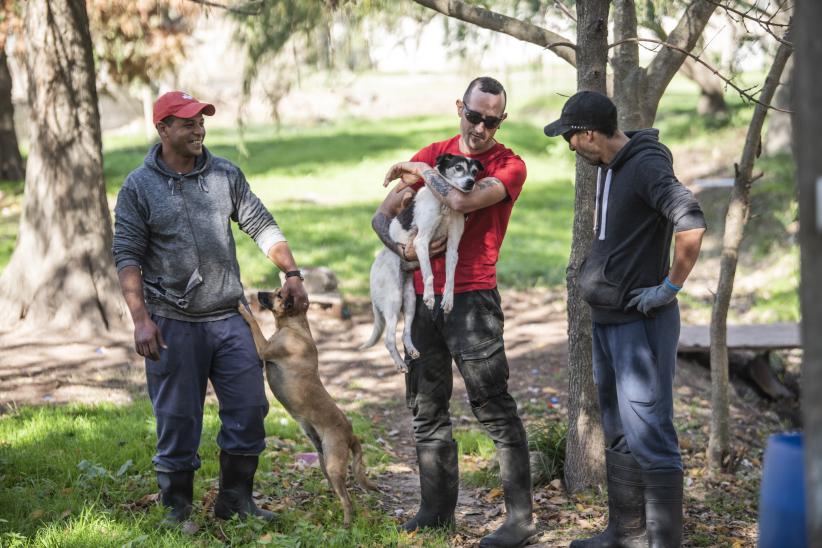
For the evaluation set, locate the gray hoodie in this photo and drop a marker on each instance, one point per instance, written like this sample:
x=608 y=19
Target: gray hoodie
x=177 y=230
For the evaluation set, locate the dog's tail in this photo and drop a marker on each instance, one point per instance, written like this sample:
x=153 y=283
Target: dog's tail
x=358 y=467
x=379 y=327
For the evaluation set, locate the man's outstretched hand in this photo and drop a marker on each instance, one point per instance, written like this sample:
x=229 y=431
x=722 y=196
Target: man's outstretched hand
x=408 y=172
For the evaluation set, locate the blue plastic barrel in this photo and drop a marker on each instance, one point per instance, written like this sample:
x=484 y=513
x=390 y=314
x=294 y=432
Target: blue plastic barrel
x=782 y=496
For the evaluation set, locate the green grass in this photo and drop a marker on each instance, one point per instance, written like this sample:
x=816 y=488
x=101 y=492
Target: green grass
x=78 y=476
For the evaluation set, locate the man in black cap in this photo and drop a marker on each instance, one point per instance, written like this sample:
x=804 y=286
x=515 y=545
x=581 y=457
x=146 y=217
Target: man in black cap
x=631 y=285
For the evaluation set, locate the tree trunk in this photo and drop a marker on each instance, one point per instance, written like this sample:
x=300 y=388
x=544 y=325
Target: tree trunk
x=807 y=104
x=735 y=219
x=62 y=273
x=11 y=163
x=629 y=78
x=780 y=124
x=711 y=89
x=584 y=455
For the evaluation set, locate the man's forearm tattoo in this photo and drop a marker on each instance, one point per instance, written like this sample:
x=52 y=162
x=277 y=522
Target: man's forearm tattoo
x=488 y=182
x=436 y=182
x=381 y=224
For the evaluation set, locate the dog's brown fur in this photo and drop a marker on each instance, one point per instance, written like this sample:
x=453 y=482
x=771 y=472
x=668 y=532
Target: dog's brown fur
x=290 y=357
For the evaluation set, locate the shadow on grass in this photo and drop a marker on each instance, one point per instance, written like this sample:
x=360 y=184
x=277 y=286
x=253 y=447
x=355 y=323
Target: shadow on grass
x=296 y=153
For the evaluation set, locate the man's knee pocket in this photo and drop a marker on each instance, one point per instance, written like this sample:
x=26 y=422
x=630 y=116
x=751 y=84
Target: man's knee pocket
x=484 y=368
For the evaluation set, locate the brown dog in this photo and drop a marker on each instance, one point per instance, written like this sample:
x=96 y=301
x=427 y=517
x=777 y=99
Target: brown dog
x=290 y=357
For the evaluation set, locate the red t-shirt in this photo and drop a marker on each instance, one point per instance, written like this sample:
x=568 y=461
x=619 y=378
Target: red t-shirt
x=484 y=228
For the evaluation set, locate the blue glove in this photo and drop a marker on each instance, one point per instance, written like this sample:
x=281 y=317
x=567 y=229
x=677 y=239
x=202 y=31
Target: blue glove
x=646 y=299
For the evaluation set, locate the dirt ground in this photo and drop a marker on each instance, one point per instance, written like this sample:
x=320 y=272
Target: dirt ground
x=57 y=368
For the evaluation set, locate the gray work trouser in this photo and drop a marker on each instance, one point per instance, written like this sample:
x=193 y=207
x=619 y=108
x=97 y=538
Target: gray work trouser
x=634 y=367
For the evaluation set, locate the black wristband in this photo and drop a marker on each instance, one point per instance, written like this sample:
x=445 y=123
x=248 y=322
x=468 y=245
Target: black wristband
x=291 y=273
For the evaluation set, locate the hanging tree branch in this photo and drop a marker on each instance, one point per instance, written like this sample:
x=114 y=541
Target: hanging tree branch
x=252 y=7
x=492 y=20
x=743 y=92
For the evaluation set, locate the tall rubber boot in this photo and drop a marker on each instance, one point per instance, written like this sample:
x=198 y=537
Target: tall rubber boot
x=439 y=486
x=176 y=494
x=515 y=472
x=626 y=505
x=236 y=485
x=663 y=508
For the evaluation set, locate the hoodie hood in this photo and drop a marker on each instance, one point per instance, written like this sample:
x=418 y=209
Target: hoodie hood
x=639 y=141
x=154 y=162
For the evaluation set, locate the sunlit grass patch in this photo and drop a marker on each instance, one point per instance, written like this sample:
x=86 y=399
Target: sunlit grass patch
x=81 y=475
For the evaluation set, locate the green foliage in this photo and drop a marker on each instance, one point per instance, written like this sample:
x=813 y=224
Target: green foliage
x=546 y=441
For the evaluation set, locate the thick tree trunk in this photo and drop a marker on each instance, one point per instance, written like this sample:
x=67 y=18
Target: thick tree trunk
x=61 y=273
x=11 y=163
x=629 y=77
x=584 y=453
x=807 y=104
x=735 y=220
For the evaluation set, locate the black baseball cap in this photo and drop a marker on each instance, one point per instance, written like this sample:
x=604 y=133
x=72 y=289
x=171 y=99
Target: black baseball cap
x=585 y=110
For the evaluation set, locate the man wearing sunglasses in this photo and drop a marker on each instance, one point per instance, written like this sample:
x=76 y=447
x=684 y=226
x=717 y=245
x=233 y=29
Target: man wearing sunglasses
x=631 y=285
x=471 y=334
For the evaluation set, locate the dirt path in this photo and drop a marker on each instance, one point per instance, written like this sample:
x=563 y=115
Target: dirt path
x=37 y=369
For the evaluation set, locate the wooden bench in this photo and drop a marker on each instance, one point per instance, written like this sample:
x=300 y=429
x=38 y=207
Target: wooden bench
x=756 y=337
x=748 y=351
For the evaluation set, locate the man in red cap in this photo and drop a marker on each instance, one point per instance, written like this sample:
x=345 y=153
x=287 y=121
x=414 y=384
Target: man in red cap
x=178 y=270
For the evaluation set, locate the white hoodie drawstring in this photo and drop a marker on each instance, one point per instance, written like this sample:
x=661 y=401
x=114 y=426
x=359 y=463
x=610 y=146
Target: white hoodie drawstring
x=596 y=201
x=603 y=222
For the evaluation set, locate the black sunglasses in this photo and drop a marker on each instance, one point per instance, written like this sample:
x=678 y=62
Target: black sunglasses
x=490 y=122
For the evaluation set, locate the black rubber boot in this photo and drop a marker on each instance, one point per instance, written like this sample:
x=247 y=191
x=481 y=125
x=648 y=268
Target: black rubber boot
x=236 y=485
x=663 y=508
x=626 y=505
x=176 y=494
x=515 y=472
x=439 y=486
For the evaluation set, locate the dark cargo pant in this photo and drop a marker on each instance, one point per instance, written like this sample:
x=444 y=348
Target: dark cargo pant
x=634 y=367
x=472 y=335
x=223 y=351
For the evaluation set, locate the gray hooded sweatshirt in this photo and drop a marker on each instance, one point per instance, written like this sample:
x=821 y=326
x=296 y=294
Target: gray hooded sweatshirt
x=177 y=229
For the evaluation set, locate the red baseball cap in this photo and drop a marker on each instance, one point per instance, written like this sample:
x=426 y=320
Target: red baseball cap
x=181 y=105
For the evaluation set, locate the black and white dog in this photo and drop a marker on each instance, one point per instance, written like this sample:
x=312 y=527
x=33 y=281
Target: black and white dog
x=392 y=290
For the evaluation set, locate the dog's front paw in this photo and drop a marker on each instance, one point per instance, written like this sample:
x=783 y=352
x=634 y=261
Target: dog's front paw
x=447 y=304
x=412 y=352
x=402 y=368
x=428 y=299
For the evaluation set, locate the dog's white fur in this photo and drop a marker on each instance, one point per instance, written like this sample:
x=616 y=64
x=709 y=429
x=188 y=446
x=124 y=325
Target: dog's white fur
x=392 y=290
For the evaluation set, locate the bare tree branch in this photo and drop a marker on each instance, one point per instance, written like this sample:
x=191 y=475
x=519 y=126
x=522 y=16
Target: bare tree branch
x=252 y=7
x=766 y=21
x=683 y=37
x=743 y=92
x=561 y=7
x=491 y=20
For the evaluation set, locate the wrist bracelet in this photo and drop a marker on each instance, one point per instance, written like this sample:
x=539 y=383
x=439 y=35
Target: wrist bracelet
x=292 y=273
x=671 y=284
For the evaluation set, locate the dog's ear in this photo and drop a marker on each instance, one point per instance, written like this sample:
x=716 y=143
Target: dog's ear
x=479 y=165
x=443 y=158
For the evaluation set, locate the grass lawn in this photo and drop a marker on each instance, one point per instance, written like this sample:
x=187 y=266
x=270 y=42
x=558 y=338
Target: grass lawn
x=82 y=476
